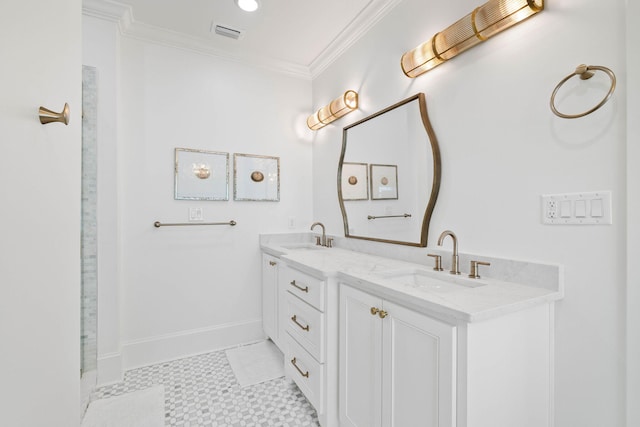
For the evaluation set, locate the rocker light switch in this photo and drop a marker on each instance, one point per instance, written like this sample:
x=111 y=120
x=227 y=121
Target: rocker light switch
x=565 y=209
x=596 y=208
x=581 y=208
x=195 y=214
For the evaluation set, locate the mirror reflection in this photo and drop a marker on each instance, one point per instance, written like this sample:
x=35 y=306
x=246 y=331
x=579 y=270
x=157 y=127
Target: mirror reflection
x=389 y=174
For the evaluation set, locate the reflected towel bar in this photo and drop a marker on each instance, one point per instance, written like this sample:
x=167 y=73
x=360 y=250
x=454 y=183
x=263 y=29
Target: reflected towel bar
x=158 y=224
x=390 y=216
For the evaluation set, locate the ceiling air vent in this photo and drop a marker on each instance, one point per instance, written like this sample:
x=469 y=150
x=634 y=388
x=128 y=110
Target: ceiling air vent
x=227 y=31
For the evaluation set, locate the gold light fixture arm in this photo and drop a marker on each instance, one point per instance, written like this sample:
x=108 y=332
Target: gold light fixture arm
x=585 y=73
x=48 y=116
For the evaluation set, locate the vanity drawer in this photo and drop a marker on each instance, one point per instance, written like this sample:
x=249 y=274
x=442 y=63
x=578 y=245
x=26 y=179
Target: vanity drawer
x=306 y=287
x=307 y=373
x=306 y=325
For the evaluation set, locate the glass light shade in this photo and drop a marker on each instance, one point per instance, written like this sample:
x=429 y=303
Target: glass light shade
x=484 y=22
x=344 y=104
x=313 y=121
x=496 y=16
x=337 y=108
x=421 y=59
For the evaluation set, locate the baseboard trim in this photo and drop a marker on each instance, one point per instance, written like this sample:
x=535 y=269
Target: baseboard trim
x=158 y=349
x=109 y=369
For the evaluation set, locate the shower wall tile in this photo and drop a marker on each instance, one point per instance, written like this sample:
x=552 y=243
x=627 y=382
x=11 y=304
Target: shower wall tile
x=89 y=246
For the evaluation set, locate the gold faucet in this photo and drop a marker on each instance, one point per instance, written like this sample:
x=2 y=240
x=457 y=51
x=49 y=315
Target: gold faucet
x=455 y=268
x=320 y=241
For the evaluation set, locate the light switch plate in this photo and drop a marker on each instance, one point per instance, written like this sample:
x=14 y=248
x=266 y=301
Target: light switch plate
x=587 y=208
x=196 y=214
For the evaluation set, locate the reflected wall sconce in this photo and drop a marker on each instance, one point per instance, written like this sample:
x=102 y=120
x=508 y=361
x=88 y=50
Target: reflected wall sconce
x=346 y=103
x=485 y=21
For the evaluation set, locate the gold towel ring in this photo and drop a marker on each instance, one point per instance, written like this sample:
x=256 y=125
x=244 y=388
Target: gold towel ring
x=584 y=72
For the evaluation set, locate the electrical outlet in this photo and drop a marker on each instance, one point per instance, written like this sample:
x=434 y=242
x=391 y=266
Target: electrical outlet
x=291 y=222
x=551 y=209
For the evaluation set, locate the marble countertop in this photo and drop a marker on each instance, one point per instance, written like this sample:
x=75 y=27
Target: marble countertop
x=442 y=295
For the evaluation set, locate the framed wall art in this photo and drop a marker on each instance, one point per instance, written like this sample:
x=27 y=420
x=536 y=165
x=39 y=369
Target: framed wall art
x=201 y=175
x=355 y=181
x=256 y=178
x=384 y=182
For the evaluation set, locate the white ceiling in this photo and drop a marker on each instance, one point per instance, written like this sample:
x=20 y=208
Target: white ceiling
x=294 y=34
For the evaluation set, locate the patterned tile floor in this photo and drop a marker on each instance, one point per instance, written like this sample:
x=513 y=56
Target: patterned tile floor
x=202 y=391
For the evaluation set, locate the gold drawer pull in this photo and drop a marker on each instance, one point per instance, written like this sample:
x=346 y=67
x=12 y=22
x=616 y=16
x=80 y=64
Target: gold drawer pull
x=272 y=263
x=295 y=320
x=304 y=374
x=374 y=310
x=305 y=289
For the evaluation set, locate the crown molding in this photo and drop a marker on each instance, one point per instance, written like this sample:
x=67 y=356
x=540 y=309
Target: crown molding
x=122 y=14
x=107 y=10
x=161 y=36
x=360 y=25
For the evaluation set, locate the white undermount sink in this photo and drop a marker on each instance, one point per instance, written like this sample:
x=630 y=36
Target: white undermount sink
x=439 y=281
x=307 y=246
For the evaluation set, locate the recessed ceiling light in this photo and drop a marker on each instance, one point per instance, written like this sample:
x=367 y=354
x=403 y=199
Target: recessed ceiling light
x=248 y=5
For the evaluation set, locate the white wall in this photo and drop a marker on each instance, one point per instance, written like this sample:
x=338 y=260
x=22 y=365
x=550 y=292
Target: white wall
x=192 y=289
x=40 y=215
x=501 y=149
x=633 y=217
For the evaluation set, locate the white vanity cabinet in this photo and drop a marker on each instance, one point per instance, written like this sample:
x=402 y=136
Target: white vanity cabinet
x=369 y=347
x=397 y=366
x=270 y=298
x=403 y=368
x=310 y=319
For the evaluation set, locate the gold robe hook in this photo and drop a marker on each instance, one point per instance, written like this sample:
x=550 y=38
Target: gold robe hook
x=48 y=116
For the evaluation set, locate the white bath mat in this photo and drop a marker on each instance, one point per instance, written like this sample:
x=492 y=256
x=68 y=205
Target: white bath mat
x=144 y=408
x=256 y=363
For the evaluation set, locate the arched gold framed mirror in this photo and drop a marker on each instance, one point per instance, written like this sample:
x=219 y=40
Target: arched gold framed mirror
x=389 y=174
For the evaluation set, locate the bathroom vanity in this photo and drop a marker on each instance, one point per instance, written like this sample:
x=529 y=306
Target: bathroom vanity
x=376 y=341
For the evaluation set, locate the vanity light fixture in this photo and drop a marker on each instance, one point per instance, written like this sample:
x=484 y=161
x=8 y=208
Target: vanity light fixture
x=248 y=5
x=340 y=106
x=485 y=21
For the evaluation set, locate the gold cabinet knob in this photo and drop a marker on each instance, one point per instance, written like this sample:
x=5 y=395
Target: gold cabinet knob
x=382 y=314
x=272 y=263
x=374 y=310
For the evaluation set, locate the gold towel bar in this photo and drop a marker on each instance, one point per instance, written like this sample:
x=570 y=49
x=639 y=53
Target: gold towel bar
x=390 y=216
x=158 y=224
x=584 y=71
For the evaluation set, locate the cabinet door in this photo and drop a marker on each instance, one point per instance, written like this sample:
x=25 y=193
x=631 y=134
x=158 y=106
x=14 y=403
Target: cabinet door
x=418 y=370
x=360 y=359
x=270 y=297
